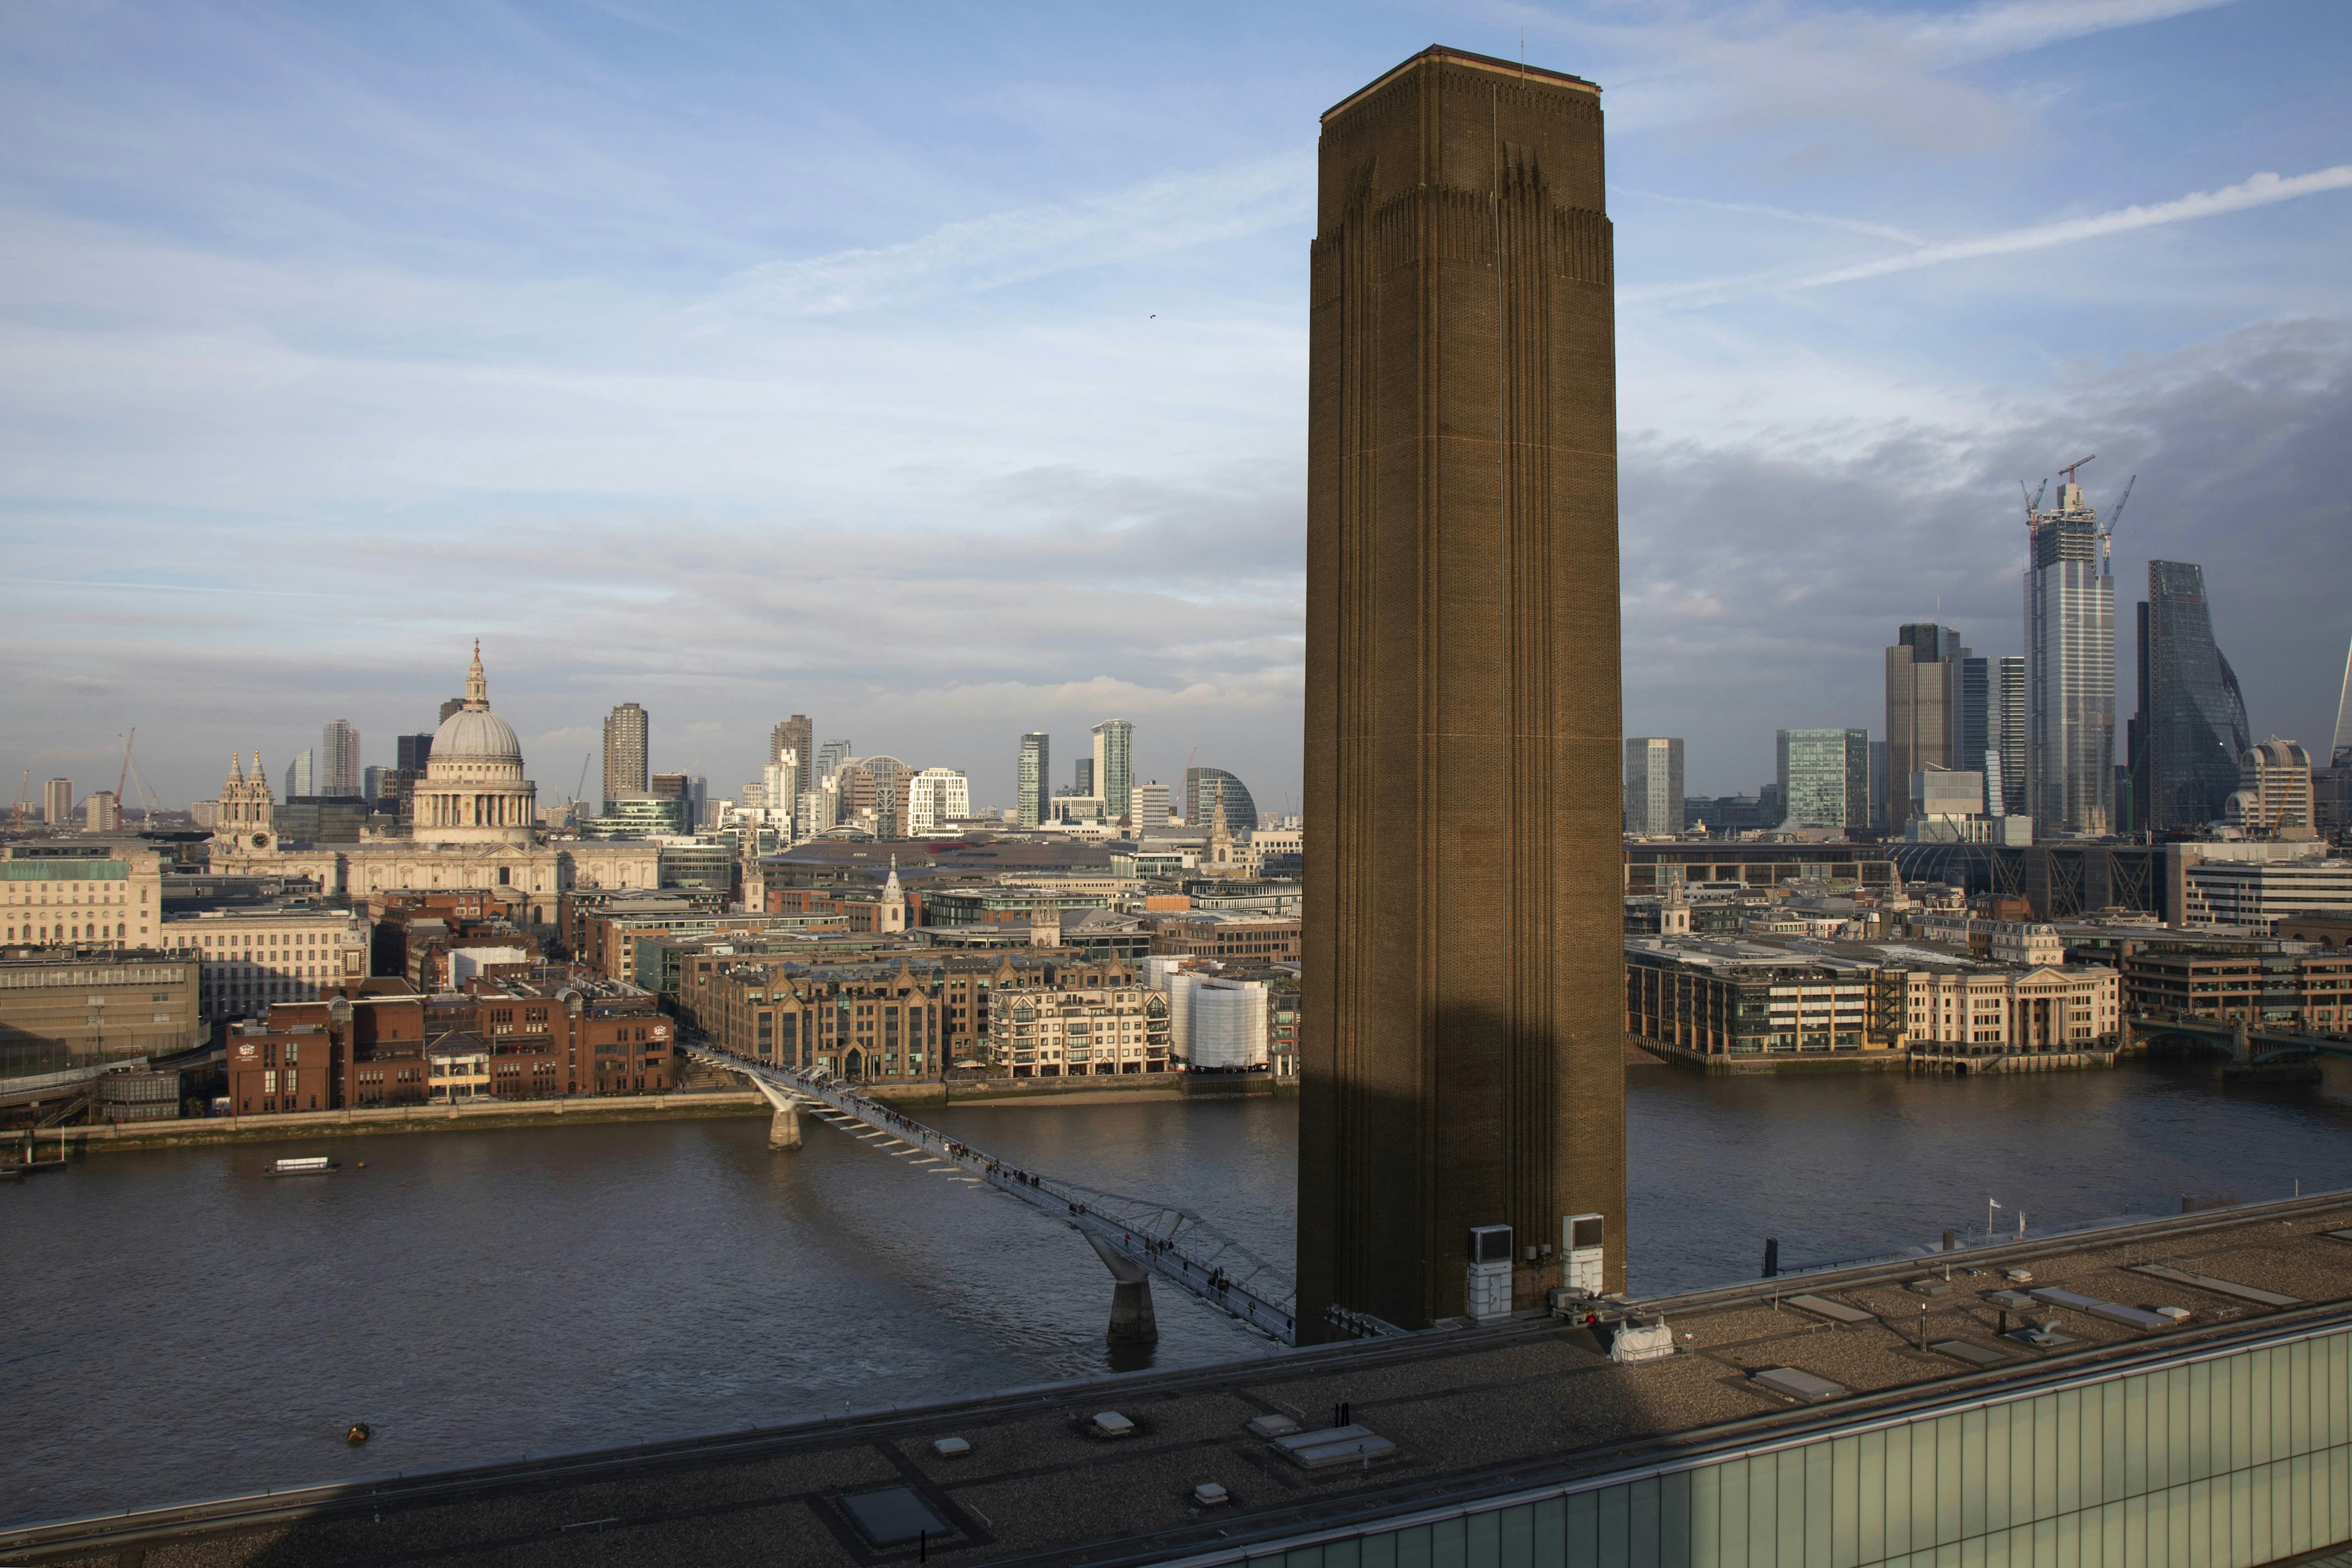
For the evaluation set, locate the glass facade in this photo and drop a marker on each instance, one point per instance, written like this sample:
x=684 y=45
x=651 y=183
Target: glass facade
x=1114 y=767
x=2009 y=720
x=1825 y=778
x=1204 y=787
x=2069 y=671
x=2192 y=727
x=1036 y=781
x=2226 y=1461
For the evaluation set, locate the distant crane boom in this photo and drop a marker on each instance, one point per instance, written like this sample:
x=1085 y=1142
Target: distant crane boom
x=2069 y=469
x=123 y=777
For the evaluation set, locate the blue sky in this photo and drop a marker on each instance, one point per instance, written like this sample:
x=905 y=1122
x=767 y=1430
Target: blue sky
x=939 y=371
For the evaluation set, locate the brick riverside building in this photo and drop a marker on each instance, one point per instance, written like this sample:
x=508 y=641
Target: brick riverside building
x=1462 y=1055
x=554 y=1032
x=871 y=1023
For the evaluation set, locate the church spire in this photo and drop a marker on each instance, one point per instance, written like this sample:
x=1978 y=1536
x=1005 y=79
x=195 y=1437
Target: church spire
x=477 y=689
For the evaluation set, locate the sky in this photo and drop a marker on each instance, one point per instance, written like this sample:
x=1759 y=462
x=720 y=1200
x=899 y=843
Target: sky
x=939 y=371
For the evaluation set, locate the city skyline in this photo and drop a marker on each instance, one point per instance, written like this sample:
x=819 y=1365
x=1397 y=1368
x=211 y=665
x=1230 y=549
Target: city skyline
x=2021 y=244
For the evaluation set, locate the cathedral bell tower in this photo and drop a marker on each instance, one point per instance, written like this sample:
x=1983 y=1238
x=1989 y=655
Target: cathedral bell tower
x=243 y=826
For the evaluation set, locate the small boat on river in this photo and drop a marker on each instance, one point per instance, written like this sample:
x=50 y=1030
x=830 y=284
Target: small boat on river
x=308 y=1165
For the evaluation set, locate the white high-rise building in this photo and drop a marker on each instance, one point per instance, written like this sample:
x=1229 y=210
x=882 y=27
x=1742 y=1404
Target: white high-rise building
x=937 y=798
x=58 y=803
x=1654 y=785
x=339 y=759
x=2070 y=669
x=1148 y=808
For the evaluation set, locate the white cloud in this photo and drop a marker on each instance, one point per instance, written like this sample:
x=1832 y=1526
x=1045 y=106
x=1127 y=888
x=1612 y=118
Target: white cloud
x=2259 y=190
x=2018 y=26
x=973 y=255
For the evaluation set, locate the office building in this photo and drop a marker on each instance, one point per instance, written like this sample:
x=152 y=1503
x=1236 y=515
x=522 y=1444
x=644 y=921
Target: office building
x=1114 y=767
x=58 y=803
x=372 y=779
x=411 y=753
x=1082 y=776
x=80 y=901
x=1924 y=702
x=2260 y=893
x=339 y=759
x=829 y=758
x=2191 y=732
x=76 y=1011
x=627 y=747
x=2273 y=799
x=1148 y=806
x=1205 y=789
x=100 y=812
x=937 y=800
x=1654 y=785
x=1462 y=1047
x=1032 y=785
x=1823 y=778
x=2009 y=719
x=301 y=775
x=2070 y=669
x=797 y=737
x=872 y=794
x=449 y=707
x=284 y=951
x=1972 y=715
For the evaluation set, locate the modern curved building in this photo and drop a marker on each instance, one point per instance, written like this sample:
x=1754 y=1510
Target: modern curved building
x=2192 y=731
x=1202 y=789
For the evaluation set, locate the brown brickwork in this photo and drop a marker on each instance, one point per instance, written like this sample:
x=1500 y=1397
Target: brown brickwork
x=1464 y=979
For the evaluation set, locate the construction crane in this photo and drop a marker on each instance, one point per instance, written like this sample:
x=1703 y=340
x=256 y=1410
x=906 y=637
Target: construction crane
x=2069 y=469
x=2033 y=501
x=583 y=777
x=123 y=777
x=2107 y=537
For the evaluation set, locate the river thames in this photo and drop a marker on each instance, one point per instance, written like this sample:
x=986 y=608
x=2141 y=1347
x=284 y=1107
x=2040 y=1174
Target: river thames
x=179 y=1324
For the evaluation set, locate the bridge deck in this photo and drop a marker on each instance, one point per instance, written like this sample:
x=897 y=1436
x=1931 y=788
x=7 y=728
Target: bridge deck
x=1473 y=1413
x=1146 y=1237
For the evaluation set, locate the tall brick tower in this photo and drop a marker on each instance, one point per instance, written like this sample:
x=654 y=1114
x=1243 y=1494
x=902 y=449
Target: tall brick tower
x=1465 y=977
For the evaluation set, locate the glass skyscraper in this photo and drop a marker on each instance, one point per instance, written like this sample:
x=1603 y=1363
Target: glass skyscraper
x=2069 y=671
x=1113 y=762
x=2008 y=737
x=1036 y=781
x=1825 y=778
x=2190 y=729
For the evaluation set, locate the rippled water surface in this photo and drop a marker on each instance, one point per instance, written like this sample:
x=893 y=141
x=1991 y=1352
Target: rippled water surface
x=179 y=1324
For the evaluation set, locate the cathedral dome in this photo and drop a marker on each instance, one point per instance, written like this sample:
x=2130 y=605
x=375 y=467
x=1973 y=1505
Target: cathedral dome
x=472 y=792
x=474 y=735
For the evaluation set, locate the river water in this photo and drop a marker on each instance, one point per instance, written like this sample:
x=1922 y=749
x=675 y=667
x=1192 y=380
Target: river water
x=179 y=1324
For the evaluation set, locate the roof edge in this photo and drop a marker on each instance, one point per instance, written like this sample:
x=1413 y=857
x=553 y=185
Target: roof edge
x=1477 y=62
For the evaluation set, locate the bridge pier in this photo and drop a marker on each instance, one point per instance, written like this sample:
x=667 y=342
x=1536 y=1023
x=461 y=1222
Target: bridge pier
x=1131 y=1322
x=784 y=1130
